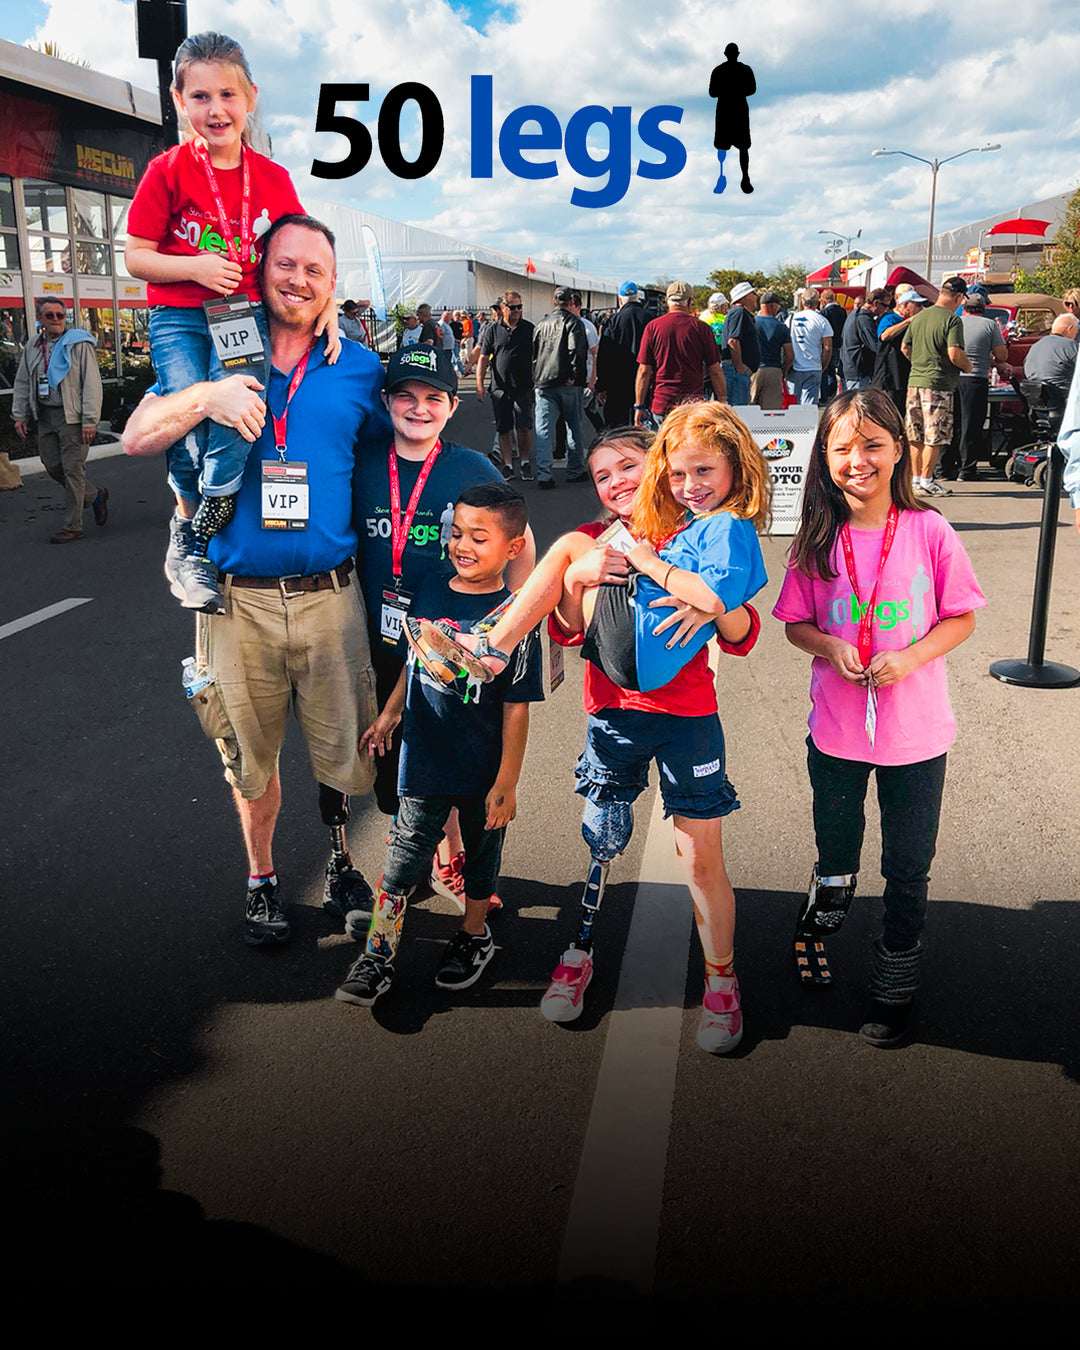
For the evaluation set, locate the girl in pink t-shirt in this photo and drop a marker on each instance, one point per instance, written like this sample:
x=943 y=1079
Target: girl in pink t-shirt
x=878 y=590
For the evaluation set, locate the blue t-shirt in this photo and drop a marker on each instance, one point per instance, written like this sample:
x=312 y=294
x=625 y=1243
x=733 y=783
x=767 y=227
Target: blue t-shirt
x=773 y=337
x=334 y=408
x=450 y=747
x=724 y=551
x=455 y=468
x=887 y=321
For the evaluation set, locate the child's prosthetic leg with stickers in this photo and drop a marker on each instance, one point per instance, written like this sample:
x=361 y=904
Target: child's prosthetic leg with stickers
x=384 y=933
x=822 y=914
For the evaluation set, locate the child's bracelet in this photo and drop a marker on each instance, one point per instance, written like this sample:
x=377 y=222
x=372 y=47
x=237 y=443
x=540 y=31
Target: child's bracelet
x=667 y=574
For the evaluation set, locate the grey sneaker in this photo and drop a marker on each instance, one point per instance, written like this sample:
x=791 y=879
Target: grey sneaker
x=265 y=923
x=199 y=588
x=936 y=489
x=181 y=543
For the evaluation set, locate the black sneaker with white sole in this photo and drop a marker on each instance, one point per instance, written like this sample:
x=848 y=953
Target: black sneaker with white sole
x=367 y=979
x=345 y=891
x=265 y=923
x=464 y=959
x=526 y=470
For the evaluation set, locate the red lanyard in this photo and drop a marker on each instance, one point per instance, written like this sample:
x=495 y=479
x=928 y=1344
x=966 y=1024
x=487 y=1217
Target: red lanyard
x=399 y=526
x=866 y=617
x=202 y=155
x=279 y=422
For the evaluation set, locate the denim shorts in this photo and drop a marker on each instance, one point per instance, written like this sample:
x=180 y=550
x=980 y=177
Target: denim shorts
x=689 y=755
x=211 y=458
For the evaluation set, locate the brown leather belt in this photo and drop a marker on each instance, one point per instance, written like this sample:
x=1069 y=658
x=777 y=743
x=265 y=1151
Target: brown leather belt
x=292 y=586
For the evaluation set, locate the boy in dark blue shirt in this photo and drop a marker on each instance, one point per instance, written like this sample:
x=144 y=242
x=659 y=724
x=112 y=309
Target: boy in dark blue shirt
x=461 y=747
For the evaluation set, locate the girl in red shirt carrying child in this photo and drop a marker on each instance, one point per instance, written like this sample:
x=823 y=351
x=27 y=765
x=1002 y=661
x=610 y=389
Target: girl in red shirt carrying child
x=194 y=232
x=703 y=493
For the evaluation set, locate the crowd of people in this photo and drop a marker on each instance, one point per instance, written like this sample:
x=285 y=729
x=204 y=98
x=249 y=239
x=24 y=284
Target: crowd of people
x=350 y=564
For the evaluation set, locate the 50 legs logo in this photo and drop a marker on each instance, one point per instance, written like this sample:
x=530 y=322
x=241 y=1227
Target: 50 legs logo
x=531 y=128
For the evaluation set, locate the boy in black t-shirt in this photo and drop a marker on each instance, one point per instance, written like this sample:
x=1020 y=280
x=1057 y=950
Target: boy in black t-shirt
x=460 y=748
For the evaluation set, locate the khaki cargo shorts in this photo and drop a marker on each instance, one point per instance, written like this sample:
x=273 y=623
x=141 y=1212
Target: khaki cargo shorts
x=929 y=416
x=267 y=654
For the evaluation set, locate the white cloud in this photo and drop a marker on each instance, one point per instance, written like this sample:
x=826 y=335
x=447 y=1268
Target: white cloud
x=830 y=90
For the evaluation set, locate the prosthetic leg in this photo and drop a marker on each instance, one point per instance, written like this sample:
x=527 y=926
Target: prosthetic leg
x=373 y=973
x=822 y=914
x=346 y=890
x=193 y=575
x=606 y=827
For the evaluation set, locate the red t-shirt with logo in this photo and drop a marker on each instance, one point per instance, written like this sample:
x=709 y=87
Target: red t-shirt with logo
x=691 y=693
x=174 y=206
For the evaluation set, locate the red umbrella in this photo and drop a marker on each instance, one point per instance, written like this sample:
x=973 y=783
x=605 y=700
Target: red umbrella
x=1020 y=226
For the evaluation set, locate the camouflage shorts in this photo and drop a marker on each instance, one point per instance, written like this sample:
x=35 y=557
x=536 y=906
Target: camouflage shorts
x=929 y=417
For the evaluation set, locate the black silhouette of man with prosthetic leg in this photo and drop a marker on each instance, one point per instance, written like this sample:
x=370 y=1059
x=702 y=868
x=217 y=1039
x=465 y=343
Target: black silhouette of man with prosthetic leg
x=606 y=827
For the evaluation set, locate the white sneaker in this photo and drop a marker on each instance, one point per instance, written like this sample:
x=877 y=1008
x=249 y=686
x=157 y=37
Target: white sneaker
x=566 y=993
x=935 y=489
x=721 y=1025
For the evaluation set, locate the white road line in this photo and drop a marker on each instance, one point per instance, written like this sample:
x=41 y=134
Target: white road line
x=615 y=1211
x=40 y=615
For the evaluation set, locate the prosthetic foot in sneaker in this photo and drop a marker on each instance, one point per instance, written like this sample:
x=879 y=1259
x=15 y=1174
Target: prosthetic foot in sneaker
x=368 y=979
x=565 y=996
x=346 y=892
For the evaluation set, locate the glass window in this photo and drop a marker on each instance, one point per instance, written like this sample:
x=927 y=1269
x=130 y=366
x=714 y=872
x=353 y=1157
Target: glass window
x=7 y=205
x=93 y=260
x=100 y=322
x=49 y=254
x=46 y=206
x=91 y=218
x=135 y=339
x=12 y=341
x=9 y=253
x=119 y=208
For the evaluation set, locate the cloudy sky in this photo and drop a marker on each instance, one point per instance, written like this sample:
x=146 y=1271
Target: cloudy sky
x=834 y=81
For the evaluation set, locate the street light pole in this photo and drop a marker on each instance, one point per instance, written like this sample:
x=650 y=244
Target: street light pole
x=934 y=165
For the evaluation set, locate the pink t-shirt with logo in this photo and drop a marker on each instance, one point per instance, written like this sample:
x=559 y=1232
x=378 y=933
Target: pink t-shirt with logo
x=928 y=577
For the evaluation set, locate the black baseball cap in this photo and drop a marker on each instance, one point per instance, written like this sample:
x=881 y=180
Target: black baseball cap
x=955 y=286
x=424 y=364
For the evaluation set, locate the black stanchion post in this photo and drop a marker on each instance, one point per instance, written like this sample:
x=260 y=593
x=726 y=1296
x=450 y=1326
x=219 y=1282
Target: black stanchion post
x=160 y=27
x=1035 y=672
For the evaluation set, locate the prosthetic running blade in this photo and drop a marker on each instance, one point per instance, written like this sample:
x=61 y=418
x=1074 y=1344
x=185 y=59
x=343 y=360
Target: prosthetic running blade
x=444 y=659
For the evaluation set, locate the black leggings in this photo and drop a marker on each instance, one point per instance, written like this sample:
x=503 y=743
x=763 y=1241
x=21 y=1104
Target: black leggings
x=909 y=797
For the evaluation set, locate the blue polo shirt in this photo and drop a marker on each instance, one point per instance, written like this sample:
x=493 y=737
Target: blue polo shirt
x=334 y=409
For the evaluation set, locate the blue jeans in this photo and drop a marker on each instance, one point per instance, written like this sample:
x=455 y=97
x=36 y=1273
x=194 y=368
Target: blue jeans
x=689 y=755
x=210 y=459
x=829 y=381
x=738 y=386
x=551 y=400
x=805 y=385
x=414 y=837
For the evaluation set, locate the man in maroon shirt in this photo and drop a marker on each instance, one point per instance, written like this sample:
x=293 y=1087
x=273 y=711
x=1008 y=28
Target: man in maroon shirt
x=676 y=353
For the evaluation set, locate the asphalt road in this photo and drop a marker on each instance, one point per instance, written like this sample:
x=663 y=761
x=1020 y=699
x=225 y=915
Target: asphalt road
x=180 y=1097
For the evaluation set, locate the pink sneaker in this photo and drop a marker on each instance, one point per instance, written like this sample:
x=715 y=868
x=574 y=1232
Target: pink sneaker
x=721 y=1025
x=449 y=881
x=566 y=993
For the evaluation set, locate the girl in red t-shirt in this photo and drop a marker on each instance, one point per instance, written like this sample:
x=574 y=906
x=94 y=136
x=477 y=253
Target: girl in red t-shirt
x=196 y=231
x=676 y=725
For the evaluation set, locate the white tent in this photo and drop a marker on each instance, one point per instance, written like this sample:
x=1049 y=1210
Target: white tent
x=951 y=247
x=420 y=266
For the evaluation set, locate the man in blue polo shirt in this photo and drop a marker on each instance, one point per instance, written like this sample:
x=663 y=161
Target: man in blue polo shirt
x=294 y=633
